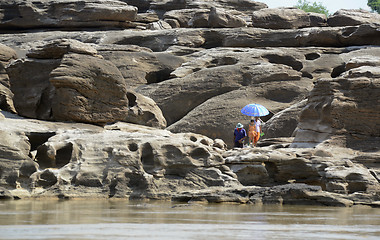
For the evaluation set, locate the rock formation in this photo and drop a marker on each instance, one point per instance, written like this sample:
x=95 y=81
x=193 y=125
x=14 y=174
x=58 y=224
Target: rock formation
x=86 y=88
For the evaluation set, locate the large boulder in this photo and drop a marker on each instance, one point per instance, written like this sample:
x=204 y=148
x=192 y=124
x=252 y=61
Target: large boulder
x=65 y=14
x=280 y=18
x=7 y=54
x=183 y=16
x=353 y=17
x=94 y=91
x=342 y=110
x=220 y=19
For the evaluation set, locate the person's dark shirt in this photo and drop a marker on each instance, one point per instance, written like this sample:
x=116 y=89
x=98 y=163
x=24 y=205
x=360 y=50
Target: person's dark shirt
x=239 y=134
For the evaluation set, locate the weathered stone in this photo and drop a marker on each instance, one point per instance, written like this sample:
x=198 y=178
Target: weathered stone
x=317 y=19
x=352 y=17
x=283 y=123
x=5 y=194
x=96 y=92
x=280 y=18
x=183 y=16
x=146 y=17
x=59 y=92
x=56 y=49
x=220 y=19
x=341 y=106
x=140 y=66
x=65 y=14
x=159 y=25
x=7 y=54
x=32 y=91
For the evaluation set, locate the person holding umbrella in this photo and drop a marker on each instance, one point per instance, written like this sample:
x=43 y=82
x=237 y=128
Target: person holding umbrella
x=254 y=131
x=256 y=111
x=239 y=135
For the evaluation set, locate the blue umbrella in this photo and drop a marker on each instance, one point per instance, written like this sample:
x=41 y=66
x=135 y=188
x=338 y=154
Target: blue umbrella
x=254 y=110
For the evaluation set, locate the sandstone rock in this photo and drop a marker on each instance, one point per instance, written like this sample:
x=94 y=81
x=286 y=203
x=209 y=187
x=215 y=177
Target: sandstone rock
x=317 y=19
x=159 y=25
x=362 y=61
x=342 y=106
x=5 y=194
x=283 y=123
x=183 y=16
x=280 y=18
x=147 y=17
x=32 y=91
x=353 y=17
x=140 y=66
x=59 y=91
x=220 y=19
x=161 y=7
x=96 y=92
x=314 y=167
x=199 y=20
x=6 y=55
x=209 y=38
x=141 y=160
x=65 y=14
x=56 y=49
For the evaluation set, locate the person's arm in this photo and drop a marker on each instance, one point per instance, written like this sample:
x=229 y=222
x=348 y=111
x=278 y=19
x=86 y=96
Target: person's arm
x=245 y=135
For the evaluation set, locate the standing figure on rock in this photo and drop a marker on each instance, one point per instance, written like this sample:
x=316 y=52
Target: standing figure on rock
x=254 y=131
x=239 y=135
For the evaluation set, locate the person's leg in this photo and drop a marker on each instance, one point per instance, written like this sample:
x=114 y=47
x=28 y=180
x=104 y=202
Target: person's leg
x=256 y=138
x=250 y=135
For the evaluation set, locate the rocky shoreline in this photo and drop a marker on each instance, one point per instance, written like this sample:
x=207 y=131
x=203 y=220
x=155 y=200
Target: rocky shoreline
x=138 y=100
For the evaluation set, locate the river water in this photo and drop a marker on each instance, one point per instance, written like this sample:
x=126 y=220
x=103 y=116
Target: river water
x=120 y=219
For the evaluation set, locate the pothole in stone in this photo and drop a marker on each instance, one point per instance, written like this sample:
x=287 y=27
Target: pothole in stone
x=62 y=156
x=36 y=139
x=158 y=76
x=338 y=70
x=312 y=56
x=222 y=62
x=307 y=75
x=285 y=60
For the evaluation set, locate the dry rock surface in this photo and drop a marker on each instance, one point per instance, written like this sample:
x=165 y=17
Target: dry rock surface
x=139 y=99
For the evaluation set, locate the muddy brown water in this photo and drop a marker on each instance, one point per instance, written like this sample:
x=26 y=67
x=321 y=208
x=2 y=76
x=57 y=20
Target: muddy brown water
x=120 y=219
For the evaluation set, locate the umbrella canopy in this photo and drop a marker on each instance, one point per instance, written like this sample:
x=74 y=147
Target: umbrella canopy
x=254 y=110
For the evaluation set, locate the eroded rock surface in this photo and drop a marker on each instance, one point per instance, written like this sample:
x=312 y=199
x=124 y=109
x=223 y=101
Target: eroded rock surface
x=75 y=84
x=64 y=14
x=190 y=66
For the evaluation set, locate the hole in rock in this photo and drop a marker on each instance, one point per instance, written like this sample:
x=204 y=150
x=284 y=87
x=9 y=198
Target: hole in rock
x=172 y=152
x=312 y=56
x=200 y=153
x=224 y=61
x=271 y=169
x=133 y=147
x=338 y=70
x=61 y=158
x=158 y=76
x=131 y=99
x=147 y=157
x=194 y=139
x=307 y=75
x=285 y=60
x=36 y=139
